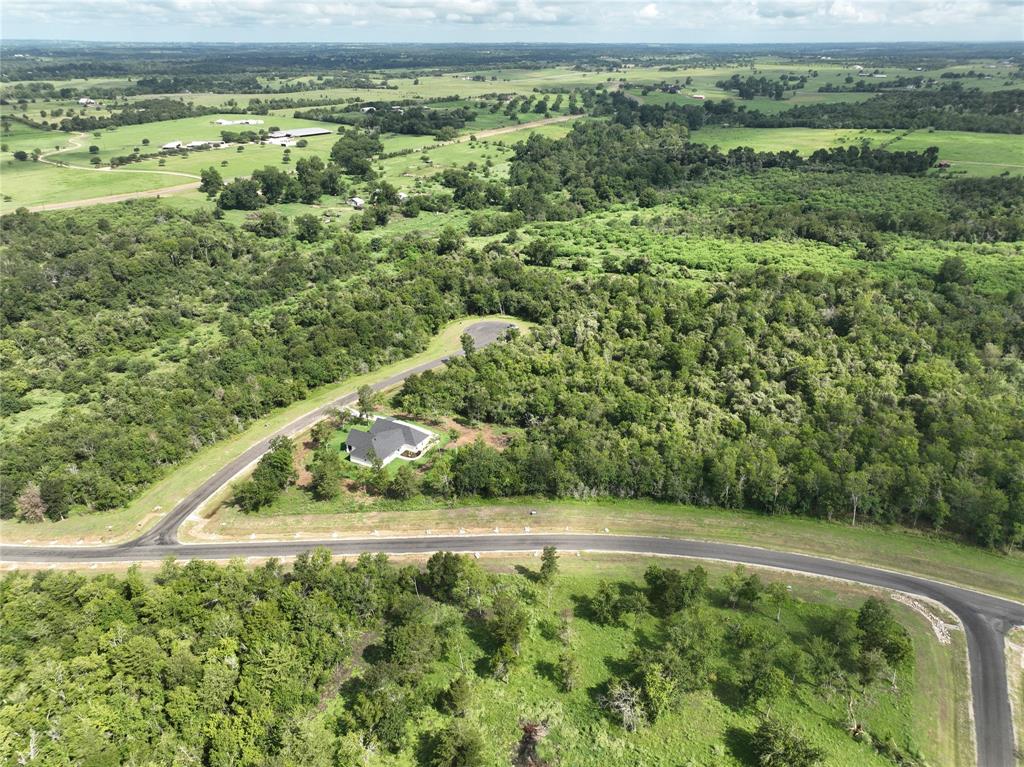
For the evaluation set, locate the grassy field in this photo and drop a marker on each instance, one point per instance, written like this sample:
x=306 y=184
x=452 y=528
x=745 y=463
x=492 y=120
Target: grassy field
x=122 y=524
x=405 y=170
x=687 y=255
x=30 y=185
x=974 y=154
x=38 y=183
x=1015 y=680
x=703 y=730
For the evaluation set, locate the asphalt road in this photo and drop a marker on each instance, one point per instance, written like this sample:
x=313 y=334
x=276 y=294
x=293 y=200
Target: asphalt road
x=166 y=530
x=986 y=618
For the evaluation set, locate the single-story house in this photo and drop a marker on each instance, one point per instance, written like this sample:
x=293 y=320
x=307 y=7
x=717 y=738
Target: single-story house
x=388 y=439
x=366 y=110
x=86 y=102
x=172 y=145
x=700 y=96
x=238 y=122
x=281 y=141
x=357 y=202
x=300 y=132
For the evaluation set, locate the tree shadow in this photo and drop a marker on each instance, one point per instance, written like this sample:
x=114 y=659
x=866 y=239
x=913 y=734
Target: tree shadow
x=549 y=630
x=375 y=654
x=476 y=630
x=741 y=745
x=426 y=745
x=582 y=607
x=728 y=692
x=531 y=575
x=547 y=670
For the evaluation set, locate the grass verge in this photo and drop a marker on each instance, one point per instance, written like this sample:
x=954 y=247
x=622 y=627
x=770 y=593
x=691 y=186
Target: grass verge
x=161 y=497
x=296 y=515
x=1015 y=682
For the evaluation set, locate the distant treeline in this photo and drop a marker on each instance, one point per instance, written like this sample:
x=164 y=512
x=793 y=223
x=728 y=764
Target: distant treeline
x=410 y=120
x=892 y=400
x=949 y=108
x=129 y=113
x=246 y=83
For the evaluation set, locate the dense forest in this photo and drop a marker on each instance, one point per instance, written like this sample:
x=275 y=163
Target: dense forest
x=795 y=394
x=896 y=401
x=950 y=107
x=332 y=663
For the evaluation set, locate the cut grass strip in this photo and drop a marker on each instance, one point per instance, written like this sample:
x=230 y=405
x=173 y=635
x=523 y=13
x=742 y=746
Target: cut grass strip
x=124 y=524
x=890 y=548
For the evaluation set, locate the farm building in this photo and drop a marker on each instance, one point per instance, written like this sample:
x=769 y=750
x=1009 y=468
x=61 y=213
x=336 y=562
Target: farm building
x=85 y=101
x=388 y=439
x=238 y=122
x=357 y=202
x=172 y=145
x=280 y=141
x=366 y=110
x=300 y=132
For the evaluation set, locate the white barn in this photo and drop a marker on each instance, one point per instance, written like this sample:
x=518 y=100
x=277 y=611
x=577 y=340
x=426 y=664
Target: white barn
x=300 y=132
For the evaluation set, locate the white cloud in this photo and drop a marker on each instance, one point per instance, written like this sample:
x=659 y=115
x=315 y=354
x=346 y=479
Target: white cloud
x=648 y=12
x=620 y=20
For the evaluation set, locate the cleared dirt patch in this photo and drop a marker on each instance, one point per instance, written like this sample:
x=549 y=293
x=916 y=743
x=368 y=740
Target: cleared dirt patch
x=469 y=434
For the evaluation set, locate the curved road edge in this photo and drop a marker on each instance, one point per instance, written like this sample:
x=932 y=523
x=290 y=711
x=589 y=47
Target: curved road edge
x=985 y=618
x=165 y=531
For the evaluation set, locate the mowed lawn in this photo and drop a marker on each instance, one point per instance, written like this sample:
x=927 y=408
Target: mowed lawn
x=977 y=154
x=405 y=170
x=39 y=183
x=27 y=184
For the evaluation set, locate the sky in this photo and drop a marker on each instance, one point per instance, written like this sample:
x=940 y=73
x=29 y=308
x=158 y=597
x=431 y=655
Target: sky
x=481 y=21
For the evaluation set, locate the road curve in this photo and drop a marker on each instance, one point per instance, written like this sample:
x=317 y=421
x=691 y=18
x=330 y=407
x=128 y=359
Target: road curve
x=165 y=532
x=985 y=618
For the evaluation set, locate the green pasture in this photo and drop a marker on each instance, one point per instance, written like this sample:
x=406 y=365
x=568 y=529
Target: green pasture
x=26 y=184
x=691 y=256
x=18 y=136
x=37 y=183
x=974 y=154
x=123 y=140
x=410 y=170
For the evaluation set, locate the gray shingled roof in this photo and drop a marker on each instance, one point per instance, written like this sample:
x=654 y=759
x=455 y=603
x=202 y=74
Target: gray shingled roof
x=385 y=436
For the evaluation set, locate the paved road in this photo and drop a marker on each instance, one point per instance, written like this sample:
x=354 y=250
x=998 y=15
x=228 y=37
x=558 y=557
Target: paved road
x=165 y=532
x=986 y=619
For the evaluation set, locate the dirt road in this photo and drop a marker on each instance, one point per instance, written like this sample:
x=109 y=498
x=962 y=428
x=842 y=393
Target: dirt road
x=162 y=192
x=515 y=128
